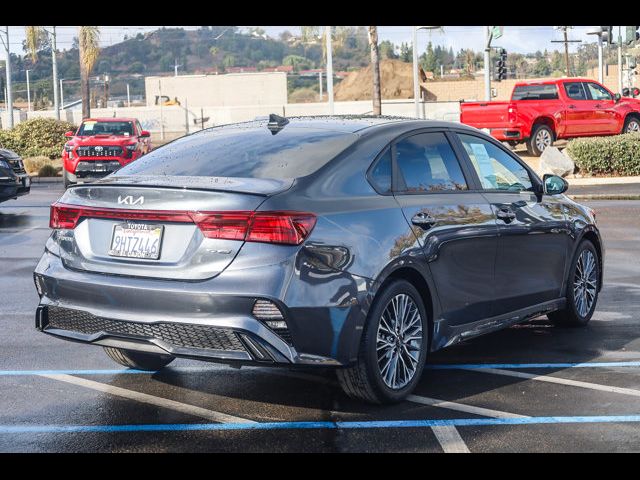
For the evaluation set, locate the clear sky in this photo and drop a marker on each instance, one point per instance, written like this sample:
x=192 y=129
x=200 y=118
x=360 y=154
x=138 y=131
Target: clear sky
x=521 y=39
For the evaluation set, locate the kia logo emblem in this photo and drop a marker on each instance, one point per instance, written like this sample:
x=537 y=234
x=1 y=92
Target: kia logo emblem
x=128 y=200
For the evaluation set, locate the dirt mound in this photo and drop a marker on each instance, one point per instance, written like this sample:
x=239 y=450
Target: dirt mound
x=396 y=81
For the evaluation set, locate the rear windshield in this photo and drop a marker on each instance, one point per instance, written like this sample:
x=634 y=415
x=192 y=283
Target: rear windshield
x=535 y=92
x=91 y=127
x=244 y=152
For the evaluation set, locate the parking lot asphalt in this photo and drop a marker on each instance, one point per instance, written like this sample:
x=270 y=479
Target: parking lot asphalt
x=529 y=388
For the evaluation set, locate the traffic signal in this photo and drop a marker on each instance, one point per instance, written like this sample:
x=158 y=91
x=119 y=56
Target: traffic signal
x=632 y=34
x=501 y=65
x=607 y=34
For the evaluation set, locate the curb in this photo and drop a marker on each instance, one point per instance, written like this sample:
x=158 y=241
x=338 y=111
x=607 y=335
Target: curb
x=37 y=179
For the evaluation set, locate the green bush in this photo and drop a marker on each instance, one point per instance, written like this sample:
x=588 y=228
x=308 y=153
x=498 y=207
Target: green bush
x=48 y=171
x=37 y=137
x=616 y=155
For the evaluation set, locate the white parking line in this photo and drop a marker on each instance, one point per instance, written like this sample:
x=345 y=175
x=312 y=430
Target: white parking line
x=149 y=399
x=561 y=381
x=449 y=439
x=461 y=407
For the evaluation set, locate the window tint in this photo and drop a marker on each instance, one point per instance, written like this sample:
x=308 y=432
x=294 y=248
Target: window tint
x=575 y=91
x=426 y=163
x=535 y=92
x=597 y=92
x=496 y=168
x=380 y=174
x=92 y=127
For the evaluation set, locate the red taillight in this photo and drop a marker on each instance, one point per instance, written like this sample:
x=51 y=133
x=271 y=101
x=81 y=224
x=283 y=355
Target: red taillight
x=513 y=113
x=289 y=228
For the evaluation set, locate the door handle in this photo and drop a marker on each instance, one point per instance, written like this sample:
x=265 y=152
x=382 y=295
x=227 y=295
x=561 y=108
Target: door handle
x=423 y=220
x=506 y=214
x=571 y=106
x=598 y=106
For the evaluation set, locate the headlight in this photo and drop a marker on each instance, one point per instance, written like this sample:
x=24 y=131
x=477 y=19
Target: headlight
x=132 y=147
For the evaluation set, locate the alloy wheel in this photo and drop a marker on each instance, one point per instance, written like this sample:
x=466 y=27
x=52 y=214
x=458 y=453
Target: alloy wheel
x=585 y=283
x=543 y=139
x=633 y=126
x=399 y=341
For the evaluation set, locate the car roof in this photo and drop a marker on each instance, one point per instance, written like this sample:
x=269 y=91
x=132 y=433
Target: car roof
x=359 y=124
x=111 y=119
x=551 y=81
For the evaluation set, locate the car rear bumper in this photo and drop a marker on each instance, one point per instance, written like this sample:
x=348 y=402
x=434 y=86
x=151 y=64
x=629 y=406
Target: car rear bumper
x=201 y=320
x=507 y=134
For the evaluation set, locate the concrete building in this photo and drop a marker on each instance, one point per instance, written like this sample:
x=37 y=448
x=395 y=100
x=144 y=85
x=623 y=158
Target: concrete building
x=231 y=89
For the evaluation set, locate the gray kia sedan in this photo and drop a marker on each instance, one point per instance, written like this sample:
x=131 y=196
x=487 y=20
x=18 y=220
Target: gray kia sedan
x=358 y=243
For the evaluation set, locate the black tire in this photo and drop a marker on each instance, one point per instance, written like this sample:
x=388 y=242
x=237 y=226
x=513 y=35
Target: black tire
x=363 y=380
x=65 y=179
x=631 y=124
x=570 y=316
x=543 y=130
x=138 y=360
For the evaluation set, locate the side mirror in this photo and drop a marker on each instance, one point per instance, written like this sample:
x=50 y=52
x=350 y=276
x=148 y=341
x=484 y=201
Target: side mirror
x=144 y=133
x=69 y=134
x=554 y=185
x=617 y=97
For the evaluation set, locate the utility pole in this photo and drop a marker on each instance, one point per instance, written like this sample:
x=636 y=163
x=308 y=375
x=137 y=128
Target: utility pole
x=28 y=93
x=61 y=96
x=129 y=99
x=54 y=64
x=329 y=68
x=416 y=85
x=566 y=42
x=488 y=35
x=175 y=67
x=8 y=95
x=320 y=83
x=600 y=58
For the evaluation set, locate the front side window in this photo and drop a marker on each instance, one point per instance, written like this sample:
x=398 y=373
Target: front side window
x=597 y=92
x=575 y=91
x=427 y=163
x=93 y=127
x=496 y=168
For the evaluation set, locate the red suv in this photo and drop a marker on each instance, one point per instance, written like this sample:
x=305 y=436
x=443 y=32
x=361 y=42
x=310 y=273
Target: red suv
x=102 y=146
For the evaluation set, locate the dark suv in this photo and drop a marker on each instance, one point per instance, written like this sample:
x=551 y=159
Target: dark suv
x=361 y=244
x=14 y=180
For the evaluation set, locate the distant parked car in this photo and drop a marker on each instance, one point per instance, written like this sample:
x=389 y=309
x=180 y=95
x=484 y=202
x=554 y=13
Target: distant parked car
x=14 y=181
x=543 y=111
x=101 y=146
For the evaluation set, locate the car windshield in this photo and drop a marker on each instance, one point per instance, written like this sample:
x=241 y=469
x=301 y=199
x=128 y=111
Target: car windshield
x=93 y=127
x=245 y=152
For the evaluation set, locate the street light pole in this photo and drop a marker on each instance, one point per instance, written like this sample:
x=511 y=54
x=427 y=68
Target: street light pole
x=61 y=96
x=329 y=69
x=600 y=73
x=487 y=66
x=620 y=60
x=28 y=93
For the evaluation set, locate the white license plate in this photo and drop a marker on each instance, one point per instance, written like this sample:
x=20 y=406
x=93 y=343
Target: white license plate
x=136 y=240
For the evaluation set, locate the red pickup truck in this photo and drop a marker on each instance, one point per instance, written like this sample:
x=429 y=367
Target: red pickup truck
x=541 y=112
x=102 y=146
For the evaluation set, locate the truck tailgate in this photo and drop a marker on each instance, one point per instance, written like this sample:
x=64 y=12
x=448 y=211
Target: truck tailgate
x=485 y=114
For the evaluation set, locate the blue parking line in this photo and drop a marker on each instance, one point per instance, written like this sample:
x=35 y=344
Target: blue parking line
x=459 y=422
x=453 y=366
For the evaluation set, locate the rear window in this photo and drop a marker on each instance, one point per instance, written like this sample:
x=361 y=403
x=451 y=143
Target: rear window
x=535 y=92
x=92 y=127
x=245 y=153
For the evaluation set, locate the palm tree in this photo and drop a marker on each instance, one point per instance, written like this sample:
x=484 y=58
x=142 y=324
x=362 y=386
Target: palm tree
x=33 y=40
x=375 y=63
x=89 y=49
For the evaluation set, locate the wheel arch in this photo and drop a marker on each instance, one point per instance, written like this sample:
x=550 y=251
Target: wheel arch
x=631 y=114
x=544 y=120
x=591 y=234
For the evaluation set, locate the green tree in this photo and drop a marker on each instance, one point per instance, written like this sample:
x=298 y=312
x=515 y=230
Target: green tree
x=387 y=49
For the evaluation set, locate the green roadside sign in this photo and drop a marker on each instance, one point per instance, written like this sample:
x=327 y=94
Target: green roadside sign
x=496 y=32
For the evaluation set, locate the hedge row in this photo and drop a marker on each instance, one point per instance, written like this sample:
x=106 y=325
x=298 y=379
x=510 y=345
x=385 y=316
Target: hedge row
x=616 y=155
x=37 y=137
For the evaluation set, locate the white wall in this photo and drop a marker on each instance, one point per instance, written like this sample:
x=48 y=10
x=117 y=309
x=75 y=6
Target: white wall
x=173 y=118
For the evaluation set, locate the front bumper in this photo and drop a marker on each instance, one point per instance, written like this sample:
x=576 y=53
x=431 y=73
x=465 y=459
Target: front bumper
x=209 y=320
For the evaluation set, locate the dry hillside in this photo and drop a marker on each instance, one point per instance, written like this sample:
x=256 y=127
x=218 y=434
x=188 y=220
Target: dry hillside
x=395 y=78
